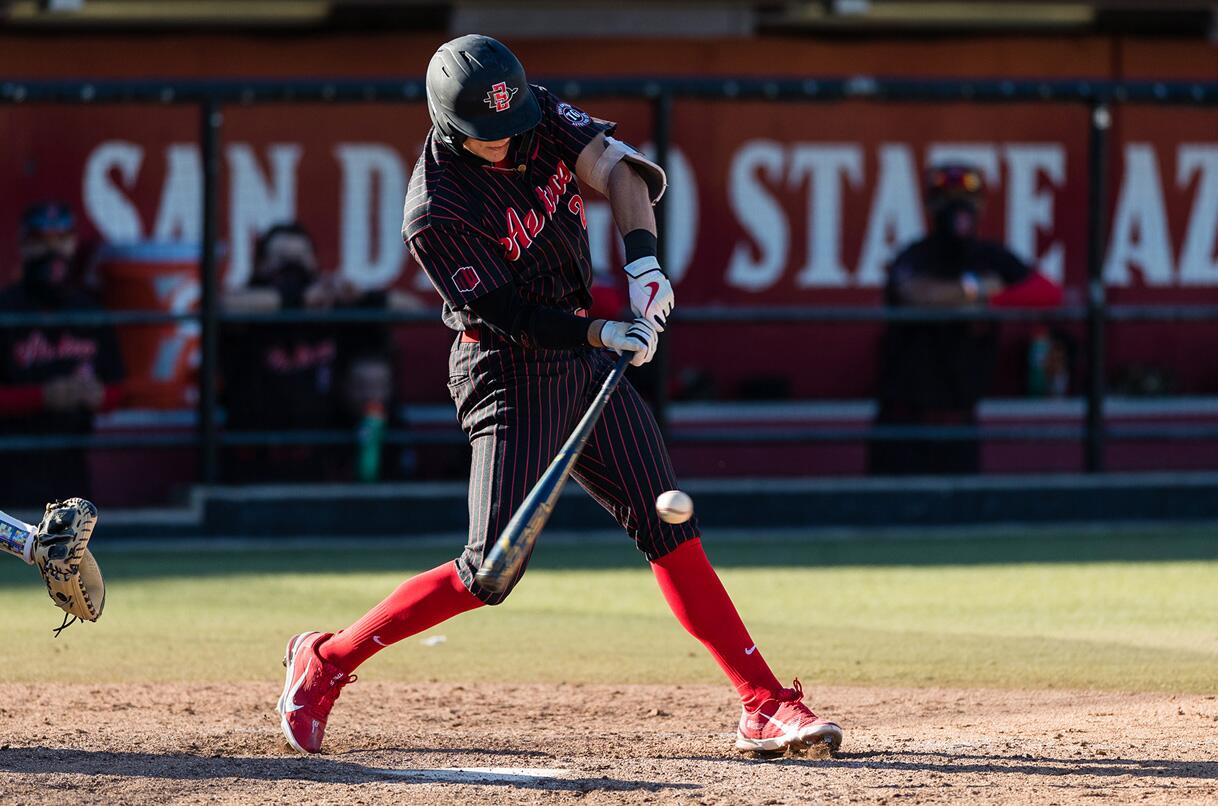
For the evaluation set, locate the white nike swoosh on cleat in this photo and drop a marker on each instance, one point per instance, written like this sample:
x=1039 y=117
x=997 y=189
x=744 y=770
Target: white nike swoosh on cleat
x=751 y=650
x=291 y=698
x=782 y=725
x=376 y=639
x=787 y=729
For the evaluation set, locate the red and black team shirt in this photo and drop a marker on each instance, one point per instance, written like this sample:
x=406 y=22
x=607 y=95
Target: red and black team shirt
x=474 y=227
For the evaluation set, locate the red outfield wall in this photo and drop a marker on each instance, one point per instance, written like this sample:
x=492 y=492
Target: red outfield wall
x=773 y=204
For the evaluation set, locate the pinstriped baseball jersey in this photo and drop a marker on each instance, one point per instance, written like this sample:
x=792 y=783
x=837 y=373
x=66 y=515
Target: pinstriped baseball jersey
x=475 y=227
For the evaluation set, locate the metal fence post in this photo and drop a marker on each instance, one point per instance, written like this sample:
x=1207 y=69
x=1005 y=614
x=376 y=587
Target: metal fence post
x=1097 y=212
x=662 y=128
x=209 y=143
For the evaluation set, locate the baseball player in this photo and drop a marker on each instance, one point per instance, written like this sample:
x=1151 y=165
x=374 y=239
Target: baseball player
x=496 y=218
x=59 y=547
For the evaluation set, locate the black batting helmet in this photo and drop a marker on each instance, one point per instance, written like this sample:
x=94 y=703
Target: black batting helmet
x=476 y=89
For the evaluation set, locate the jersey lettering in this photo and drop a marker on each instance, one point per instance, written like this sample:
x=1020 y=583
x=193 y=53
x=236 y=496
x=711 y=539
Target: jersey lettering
x=553 y=190
x=534 y=223
x=521 y=233
x=562 y=176
x=302 y=356
x=518 y=238
x=38 y=349
x=549 y=202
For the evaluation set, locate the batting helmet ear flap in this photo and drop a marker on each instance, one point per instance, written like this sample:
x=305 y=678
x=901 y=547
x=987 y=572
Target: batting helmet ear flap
x=444 y=131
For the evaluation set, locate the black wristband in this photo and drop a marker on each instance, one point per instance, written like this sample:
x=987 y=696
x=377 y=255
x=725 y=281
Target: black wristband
x=640 y=243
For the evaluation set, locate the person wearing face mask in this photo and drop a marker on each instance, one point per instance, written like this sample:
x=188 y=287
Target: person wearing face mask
x=285 y=376
x=934 y=373
x=53 y=379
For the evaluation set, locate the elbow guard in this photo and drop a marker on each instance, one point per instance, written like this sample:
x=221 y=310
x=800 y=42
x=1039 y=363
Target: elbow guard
x=616 y=151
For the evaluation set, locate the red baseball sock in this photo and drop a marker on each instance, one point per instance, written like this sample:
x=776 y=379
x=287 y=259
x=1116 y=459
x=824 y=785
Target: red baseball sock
x=700 y=603
x=418 y=603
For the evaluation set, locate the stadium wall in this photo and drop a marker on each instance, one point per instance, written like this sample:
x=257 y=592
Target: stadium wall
x=133 y=173
x=753 y=505
x=206 y=55
x=772 y=203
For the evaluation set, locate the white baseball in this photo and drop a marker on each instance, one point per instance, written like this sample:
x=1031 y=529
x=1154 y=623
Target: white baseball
x=674 y=506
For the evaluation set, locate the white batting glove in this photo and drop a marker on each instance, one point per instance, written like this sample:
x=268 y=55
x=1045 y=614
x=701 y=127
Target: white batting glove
x=638 y=337
x=651 y=294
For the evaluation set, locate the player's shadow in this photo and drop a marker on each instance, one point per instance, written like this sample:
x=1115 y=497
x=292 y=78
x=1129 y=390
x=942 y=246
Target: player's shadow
x=971 y=763
x=185 y=767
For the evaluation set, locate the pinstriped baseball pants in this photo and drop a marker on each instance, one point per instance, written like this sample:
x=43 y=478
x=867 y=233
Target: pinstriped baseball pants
x=517 y=407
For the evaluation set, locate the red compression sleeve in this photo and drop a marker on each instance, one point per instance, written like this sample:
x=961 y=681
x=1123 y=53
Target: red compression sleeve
x=18 y=400
x=1037 y=291
x=700 y=602
x=418 y=603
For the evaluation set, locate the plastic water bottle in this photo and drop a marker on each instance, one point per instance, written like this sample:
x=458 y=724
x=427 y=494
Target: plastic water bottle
x=371 y=433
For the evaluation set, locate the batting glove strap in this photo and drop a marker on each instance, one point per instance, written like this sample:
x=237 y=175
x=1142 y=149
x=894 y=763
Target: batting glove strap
x=637 y=268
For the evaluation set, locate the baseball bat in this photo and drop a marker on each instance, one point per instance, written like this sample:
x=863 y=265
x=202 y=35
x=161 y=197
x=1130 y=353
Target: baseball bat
x=517 y=538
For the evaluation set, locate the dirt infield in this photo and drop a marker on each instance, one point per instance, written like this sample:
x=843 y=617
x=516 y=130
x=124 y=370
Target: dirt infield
x=630 y=744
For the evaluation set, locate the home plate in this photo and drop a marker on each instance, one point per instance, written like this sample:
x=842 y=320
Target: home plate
x=479 y=775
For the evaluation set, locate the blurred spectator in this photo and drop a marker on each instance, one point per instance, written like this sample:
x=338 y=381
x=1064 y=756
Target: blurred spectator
x=286 y=376
x=53 y=379
x=933 y=373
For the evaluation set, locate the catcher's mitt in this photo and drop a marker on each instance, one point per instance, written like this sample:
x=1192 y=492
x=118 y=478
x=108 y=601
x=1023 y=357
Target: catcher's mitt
x=61 y=553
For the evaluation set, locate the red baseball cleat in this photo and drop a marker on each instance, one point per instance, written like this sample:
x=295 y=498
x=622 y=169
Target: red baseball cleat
x=309 y=690
x=786 y=723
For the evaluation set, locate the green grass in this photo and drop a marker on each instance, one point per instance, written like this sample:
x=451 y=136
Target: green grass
x=1133 y=611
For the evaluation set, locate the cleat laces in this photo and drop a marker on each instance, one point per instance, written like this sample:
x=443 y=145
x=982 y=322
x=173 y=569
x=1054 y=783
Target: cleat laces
x=326 y=701
x=793 y=694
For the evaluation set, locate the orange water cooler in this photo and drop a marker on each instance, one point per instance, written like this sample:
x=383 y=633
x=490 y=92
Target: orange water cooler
x=162 y=361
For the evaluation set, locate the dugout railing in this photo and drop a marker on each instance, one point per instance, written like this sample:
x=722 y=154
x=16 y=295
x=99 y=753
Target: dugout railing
x=1099 y=96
